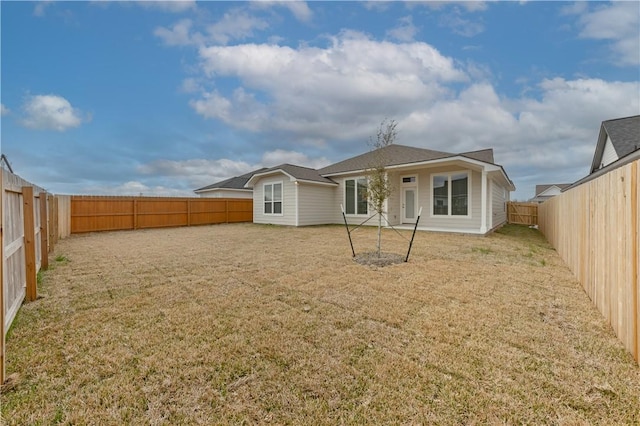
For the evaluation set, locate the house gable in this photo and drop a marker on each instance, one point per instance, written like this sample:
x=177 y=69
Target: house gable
x=617 y=139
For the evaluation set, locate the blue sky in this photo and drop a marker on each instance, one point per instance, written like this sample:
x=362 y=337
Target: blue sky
x=161 y=98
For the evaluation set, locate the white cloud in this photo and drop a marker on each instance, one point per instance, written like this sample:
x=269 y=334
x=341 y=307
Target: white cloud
x=197 y=172
x=178 y=35
x=138 y=189
x=40 y=7
x=318 y=93
x=281 y=156
x=618 y=22
x=235 y=25
x=469 y=6
x=172 y=6
x=405 y=31
x=461 y=26
x=4 y=110
x=299 y=9
x=50 y=112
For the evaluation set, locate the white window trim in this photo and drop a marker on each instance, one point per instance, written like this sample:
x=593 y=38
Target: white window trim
x=469 y=195
x=344 y=196
x=264 y=185
x=404 y=185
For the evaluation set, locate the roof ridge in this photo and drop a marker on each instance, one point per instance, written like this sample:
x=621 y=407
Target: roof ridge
x=621 y=118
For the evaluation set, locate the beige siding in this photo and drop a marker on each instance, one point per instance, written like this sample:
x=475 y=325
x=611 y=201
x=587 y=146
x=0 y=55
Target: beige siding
x=498 y=205
x=288 y=216
x=394 y=203
x=316 y=204
x=427 y=220
x=227 y=193
x=449 y=223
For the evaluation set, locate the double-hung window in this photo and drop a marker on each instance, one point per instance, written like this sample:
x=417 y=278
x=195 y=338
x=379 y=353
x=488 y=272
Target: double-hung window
x=451 y=194
x=355 y=196
x=273 y=198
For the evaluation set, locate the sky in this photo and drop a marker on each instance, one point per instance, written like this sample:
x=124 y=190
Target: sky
x=161 y=98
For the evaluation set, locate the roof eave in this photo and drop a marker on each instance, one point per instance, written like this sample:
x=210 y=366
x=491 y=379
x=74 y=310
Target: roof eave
x=597 y=155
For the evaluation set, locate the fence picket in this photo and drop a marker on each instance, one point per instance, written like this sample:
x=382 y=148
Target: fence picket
x=595 y=228
x=112 y=213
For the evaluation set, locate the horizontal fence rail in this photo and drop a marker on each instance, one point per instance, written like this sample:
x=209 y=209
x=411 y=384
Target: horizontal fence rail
x=522 y=213
x=98 y=213
x=595 y=228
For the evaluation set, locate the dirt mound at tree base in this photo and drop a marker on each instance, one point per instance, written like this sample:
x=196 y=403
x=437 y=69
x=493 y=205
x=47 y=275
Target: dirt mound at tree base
x=372 y=259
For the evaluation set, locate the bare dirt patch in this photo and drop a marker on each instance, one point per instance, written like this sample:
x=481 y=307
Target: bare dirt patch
x=371 y=258
x=250 y=324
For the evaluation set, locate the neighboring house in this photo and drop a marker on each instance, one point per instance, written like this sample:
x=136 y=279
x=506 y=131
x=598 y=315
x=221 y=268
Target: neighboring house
x=230 y=188
x=618 y=138
x=464 y=192
x=618 y=144
x=544 y=192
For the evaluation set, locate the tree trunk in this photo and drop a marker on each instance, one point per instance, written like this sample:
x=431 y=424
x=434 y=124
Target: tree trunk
x=379 y=231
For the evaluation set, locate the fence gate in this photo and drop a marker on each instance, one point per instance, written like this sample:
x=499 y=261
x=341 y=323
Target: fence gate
x=522 y=213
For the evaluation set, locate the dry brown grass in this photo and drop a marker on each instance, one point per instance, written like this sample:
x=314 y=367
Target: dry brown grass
x=249 y=324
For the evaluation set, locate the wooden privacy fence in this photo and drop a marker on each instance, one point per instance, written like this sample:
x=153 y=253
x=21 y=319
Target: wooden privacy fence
x=595 y=229
x=522 y=213
x=28 y=234
x=109 y=213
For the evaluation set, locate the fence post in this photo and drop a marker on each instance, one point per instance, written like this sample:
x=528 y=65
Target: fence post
x=53 y=222
x=188 y=212
x=2 y=295
x=635 y=260
x=226 y=210
x=44 y=232
x=29 y=243
x=135 y=213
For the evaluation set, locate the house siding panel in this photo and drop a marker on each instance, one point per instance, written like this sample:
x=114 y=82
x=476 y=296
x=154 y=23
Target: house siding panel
x=499 y=206
x=609 y=155
x=228 y=193
x=451 y=223
x=316 y=204
x=288 y=216
x=394 y=203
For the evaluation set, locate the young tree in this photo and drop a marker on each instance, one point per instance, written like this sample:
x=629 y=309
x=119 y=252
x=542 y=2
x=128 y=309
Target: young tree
x=379 y=187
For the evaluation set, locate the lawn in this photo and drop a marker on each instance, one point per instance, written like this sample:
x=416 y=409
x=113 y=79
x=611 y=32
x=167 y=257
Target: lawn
x=251 y=324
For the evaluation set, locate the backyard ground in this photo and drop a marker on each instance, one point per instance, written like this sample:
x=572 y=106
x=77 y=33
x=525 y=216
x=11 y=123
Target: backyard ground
x=251 y=324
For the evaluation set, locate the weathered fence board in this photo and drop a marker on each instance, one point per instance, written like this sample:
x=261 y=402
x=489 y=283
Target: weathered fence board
x=24 y=247
x=98 y=213
x=522 y=213
x=595 y=227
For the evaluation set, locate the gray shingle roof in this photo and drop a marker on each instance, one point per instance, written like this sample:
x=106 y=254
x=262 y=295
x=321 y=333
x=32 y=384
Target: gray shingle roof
x=485 y=155
x=541 y=188
x=625 y=138
x=300 y=173
x=236 y=182
x=394 y=155
x=624 y=134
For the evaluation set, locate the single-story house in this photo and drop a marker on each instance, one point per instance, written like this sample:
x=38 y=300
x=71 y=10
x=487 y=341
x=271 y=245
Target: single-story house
x=464 y=192
x=230 y=188
x=544 y=192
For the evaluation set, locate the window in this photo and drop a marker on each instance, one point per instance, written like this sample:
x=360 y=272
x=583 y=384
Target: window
x=355 y=196
x=451 y=194
x=273 y=198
